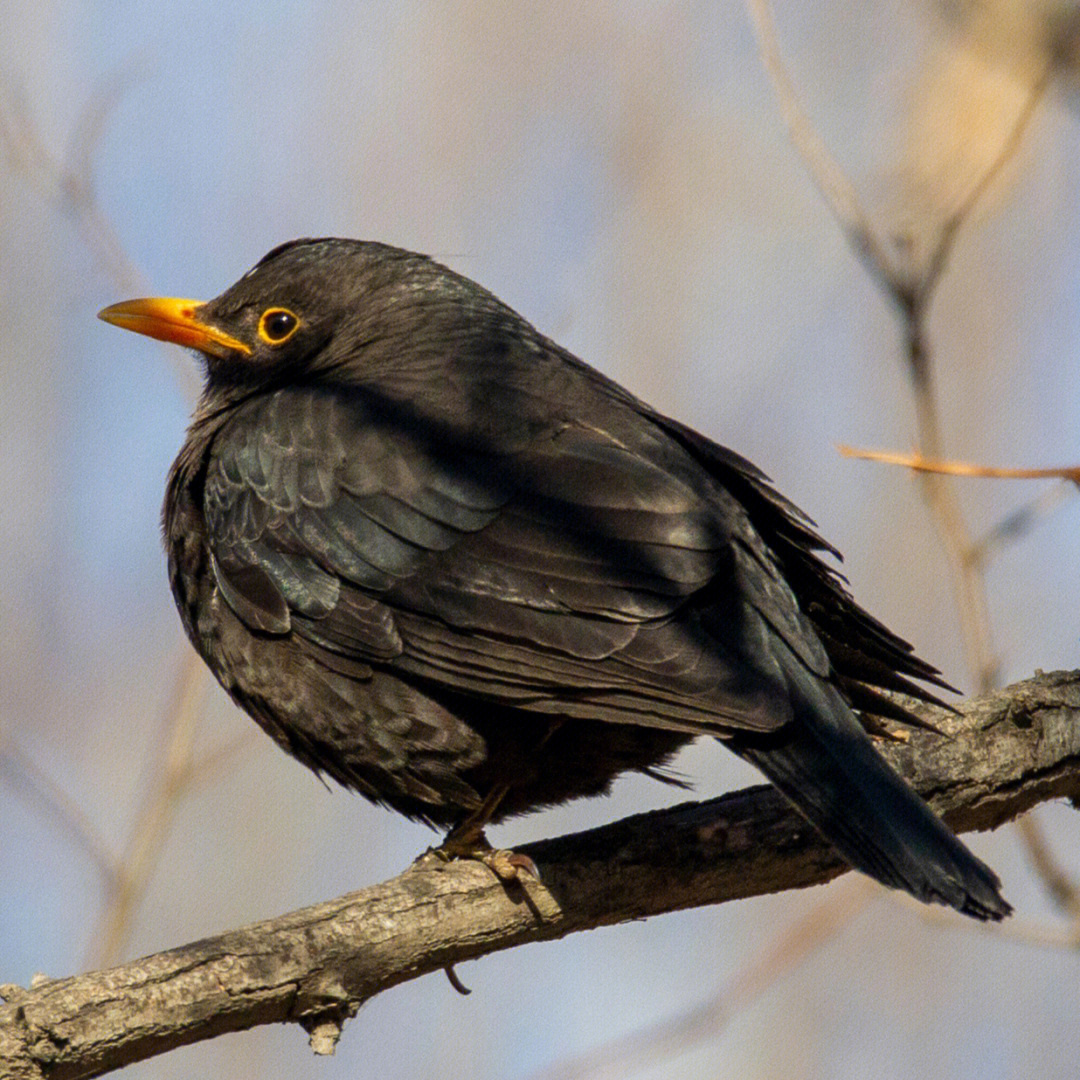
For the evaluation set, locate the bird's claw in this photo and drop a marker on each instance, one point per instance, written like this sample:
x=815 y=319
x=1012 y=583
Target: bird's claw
x=509 y=865
x=506 y=865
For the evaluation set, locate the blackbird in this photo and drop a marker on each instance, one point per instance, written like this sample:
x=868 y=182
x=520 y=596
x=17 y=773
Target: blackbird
x=441 y=560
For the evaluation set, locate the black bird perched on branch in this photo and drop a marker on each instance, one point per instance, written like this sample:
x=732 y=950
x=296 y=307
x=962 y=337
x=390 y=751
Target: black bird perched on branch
x=441 y=560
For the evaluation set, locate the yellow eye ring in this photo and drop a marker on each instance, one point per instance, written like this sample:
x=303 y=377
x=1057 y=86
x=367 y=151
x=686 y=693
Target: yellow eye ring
x=277 y=325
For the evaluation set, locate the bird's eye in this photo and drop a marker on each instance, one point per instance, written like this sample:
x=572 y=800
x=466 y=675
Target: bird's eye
x=277 y=325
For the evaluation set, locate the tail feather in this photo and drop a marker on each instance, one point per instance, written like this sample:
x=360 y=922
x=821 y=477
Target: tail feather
x=827 y=766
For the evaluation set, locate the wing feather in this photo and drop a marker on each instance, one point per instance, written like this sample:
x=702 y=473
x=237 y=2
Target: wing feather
x=584 y=574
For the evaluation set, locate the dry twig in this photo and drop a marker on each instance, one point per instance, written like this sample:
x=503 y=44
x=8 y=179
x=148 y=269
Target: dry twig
x=66 y=810
x=69 y=184
x=132 y=878
x=920 y=463
x=792 y=947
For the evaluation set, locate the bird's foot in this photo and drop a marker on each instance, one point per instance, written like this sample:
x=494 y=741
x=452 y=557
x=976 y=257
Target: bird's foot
x=505 y=865
x=509 y=865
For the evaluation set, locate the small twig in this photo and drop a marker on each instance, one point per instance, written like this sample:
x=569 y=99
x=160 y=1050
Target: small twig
x=920 y=463
x=830 y=179
x=70 y=815
x=455 y=981
x=792 y=947
x=1021 y=521
x=1012 y=526
x=1064 y=891
x=1027 y=931
x=208 y=768
x=950 y=228
x=151 y=826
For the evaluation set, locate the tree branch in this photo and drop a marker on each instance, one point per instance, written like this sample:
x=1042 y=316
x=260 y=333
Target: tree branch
x=1006 y=752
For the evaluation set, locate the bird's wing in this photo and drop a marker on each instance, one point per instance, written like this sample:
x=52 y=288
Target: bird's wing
x=866 y=656
x=865 y=653
x=315 y=510
x=584 y=573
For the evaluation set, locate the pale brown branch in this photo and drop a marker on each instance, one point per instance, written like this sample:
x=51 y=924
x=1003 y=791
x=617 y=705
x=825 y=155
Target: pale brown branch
x=950 y=228
x=69 y=185
x=966 y=577
x=62 y=805
x=1061 y=886
x=151 y=826
x=1004 y=753
x=920 y=463
x=838 y=191
x=795 y=944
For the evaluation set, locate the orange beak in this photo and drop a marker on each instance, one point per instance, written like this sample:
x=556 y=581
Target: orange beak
x=171 y=319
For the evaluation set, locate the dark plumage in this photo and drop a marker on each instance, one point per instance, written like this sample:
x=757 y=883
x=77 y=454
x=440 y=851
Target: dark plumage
x=439 y=559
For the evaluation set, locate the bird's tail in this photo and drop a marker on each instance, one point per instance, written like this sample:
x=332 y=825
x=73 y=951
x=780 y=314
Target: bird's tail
x=827 y=766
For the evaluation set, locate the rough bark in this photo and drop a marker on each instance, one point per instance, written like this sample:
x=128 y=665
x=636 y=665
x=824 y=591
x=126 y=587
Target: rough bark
x=1004 y=753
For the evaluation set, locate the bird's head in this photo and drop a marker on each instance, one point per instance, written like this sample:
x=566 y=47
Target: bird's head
x=313 y=306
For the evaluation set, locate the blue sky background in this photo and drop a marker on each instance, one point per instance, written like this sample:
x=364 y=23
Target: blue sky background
x=620 y=174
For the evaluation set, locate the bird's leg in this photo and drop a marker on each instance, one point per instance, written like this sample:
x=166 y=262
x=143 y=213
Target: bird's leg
x=468 y=835
x=466 y=840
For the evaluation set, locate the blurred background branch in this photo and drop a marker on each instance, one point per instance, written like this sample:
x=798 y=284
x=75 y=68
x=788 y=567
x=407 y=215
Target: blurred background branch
x=23 y=770
x=128 y=885
x=911 y=282
x=660 y=1042
x=69 y=181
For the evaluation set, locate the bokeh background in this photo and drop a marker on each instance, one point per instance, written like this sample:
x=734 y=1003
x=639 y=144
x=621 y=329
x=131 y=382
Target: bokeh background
x=619 y=173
